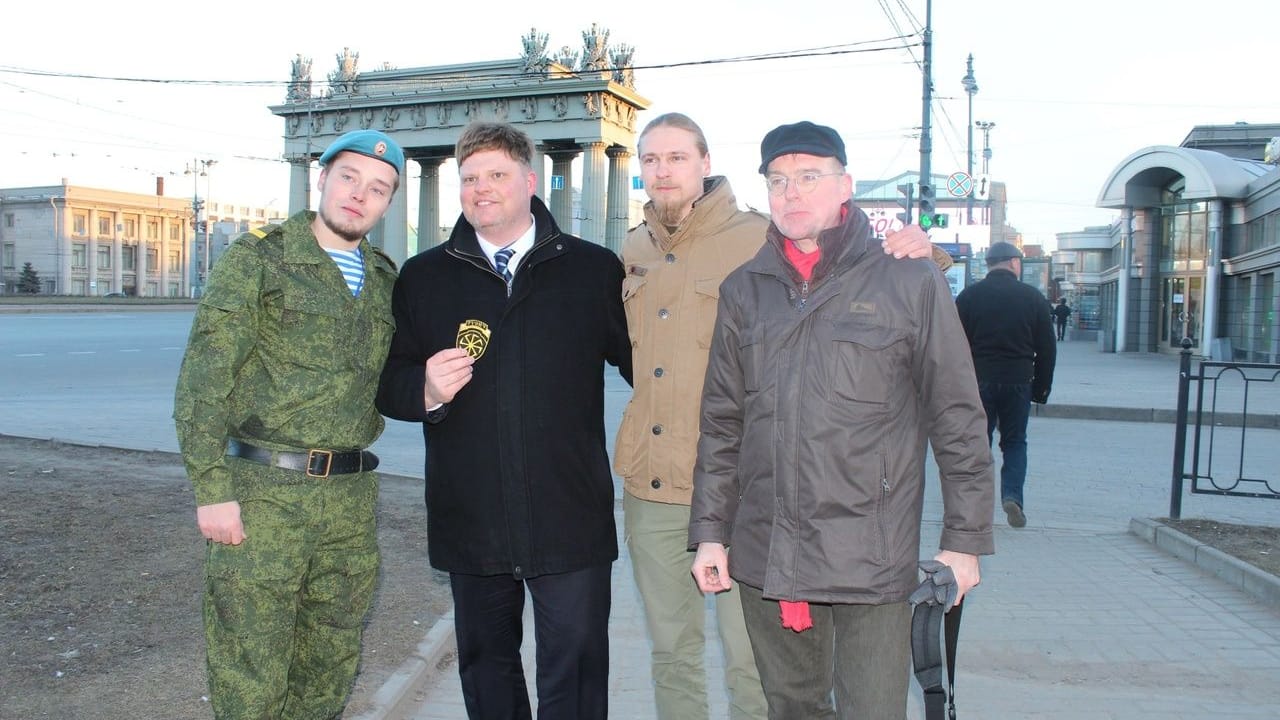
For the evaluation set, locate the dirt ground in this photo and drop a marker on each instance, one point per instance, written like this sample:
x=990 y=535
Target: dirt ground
x=100 y=584
x=100 y=575
x=1258 y=545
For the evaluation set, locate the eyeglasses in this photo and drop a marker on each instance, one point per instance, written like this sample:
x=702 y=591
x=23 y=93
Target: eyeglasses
x=805 y=183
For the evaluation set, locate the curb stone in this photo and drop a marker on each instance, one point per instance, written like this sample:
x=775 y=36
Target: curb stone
x=1237 y=573
x=396 y=697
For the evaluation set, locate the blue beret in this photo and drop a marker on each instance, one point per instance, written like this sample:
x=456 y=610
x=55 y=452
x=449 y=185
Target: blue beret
x=802 y=137
x=370 y=143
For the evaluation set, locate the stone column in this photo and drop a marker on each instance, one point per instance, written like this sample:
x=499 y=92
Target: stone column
x=117 y=256
x=1122 y=282
x=594 y=185
x=92 y=280
x=561 y=201
x=299 y=184
x=619 y=203
x=62 y=218
x=140 y=268
x=539 y=163
x=429 y=202
x=163 y=257
x=393 y=231
x=1212 y=279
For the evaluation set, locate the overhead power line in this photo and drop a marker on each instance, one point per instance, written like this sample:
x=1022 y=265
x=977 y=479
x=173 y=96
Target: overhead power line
x=894 y=43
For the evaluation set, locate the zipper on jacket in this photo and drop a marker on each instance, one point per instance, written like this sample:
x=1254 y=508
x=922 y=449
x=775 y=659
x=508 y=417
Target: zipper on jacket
x=804 y=295
x=884 y=501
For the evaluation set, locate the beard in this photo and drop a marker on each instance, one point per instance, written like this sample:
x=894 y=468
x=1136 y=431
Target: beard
x=671 y=214
x=348 y=231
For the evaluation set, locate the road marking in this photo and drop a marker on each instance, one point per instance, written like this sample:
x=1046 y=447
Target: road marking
x=129 y=350
x=29 y=355
x=170 y=348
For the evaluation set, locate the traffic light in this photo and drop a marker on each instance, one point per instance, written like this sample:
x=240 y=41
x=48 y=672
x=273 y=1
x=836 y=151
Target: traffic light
x=928 y=214
x=905 y=204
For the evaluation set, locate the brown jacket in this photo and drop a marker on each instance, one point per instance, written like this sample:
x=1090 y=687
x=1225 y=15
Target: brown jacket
x=670 y=294
x=818 y=400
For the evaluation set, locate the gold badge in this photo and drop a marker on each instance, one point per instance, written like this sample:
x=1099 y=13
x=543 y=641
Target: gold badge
x=473 y=336
x=380 y=149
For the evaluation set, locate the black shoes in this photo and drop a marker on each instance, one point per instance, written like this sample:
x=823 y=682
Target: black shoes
x=1013 y=511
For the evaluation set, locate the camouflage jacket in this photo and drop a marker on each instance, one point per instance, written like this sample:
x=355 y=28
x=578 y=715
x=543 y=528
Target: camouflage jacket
x=281 y=354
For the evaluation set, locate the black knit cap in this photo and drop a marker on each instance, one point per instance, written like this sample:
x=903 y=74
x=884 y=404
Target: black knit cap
x=802 y=137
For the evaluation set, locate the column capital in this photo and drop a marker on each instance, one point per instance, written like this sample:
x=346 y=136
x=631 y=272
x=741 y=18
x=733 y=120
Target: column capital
x=618 y=152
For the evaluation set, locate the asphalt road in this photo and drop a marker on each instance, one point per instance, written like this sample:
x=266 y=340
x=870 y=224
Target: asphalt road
x=107 y=378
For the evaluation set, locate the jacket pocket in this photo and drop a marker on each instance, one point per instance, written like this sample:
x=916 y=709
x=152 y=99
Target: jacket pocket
x=868 y=360
x=707 y=293
x=750 y=346
x=633 y=303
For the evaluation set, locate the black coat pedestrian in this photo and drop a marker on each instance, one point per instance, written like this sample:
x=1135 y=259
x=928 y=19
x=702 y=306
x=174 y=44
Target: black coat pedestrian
x=1010 y=335
x=518 y=477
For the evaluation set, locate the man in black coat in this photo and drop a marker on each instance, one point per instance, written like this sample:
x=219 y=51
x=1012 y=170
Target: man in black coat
x=1012 y=341
x=502 y=335
x=1061 y=313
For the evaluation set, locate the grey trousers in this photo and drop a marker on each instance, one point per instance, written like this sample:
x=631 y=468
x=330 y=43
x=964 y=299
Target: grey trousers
x=861 y=652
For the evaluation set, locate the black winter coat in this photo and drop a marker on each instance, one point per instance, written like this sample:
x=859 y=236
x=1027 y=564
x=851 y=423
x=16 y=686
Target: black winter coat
x=1010 y=332
x=518 y=478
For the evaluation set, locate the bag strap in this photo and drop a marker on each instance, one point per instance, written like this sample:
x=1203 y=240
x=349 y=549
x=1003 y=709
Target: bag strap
x=927 y=619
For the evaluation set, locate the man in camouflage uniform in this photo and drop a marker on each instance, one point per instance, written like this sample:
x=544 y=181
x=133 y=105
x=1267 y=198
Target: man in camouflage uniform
x=274 y=408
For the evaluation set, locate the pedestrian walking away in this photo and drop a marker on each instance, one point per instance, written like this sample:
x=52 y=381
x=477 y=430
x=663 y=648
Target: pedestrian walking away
x=274 y=409
x=1061 y=314
x=1014 y=352
x=830 y=366
x=502 y=336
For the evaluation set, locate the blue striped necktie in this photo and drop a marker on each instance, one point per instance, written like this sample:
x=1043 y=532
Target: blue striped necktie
x=500 y=260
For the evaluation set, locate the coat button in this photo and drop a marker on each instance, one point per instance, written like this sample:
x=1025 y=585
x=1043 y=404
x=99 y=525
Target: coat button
x=671 y=257
x=657 y=372
x=657 y=429
x=655 y=483
x=664 y=313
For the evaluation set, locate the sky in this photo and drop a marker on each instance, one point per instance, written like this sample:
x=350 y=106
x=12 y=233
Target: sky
x=1073 y=88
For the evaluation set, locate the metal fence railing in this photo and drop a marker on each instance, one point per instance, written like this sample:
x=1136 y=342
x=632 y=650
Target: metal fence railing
x=1232 y=451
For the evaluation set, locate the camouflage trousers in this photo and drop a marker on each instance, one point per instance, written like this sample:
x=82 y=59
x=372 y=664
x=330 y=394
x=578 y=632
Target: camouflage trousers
x=284 y=610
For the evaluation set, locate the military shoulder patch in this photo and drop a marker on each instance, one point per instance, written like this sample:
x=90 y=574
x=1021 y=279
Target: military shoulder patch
x=262 y=232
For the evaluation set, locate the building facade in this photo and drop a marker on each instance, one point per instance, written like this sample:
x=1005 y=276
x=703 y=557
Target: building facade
x=1196 y=249
x=93 y=241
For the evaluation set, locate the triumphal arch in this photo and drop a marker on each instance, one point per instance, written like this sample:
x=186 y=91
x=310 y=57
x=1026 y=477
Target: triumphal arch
x=569 y=105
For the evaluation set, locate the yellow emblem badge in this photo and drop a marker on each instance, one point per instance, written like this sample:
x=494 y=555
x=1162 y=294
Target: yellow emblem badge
x=473 y=336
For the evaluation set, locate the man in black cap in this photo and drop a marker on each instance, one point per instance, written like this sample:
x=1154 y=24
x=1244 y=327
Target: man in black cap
x=830 y=366
x=1011 y=338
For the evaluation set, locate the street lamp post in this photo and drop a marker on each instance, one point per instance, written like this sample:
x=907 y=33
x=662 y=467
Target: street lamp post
x=985 y=127
x=198 y=169
x=971 y=88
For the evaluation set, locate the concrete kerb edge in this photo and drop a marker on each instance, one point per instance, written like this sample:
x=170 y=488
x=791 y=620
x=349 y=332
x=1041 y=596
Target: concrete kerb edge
x=1233 y=571
x=396 y=696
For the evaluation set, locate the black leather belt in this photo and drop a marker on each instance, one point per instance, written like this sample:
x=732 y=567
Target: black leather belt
x=315 y=463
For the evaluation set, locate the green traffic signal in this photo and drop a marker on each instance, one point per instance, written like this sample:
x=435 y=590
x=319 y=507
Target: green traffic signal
x=935 y=220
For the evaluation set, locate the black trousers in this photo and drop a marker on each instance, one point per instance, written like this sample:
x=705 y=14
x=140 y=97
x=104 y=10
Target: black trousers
x=571 y=629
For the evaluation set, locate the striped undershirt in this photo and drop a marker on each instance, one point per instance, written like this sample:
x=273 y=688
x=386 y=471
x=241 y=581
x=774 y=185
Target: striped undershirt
x=352 y=268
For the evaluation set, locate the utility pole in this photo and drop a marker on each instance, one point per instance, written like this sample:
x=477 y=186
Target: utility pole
x=198 y=169
x=971 y=88
x=926 y=138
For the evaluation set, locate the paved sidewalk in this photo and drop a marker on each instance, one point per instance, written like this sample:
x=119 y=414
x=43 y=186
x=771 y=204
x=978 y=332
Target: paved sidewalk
x=1076 y=617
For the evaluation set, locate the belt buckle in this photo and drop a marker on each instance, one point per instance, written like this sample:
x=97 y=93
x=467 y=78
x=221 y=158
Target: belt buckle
x=312 y=455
